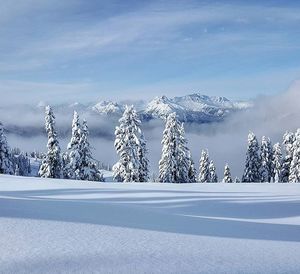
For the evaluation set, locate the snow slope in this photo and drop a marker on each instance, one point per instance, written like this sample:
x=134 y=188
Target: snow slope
x=56 y=226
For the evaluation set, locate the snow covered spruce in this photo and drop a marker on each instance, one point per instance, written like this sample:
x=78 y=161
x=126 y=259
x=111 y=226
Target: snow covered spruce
x=294 y=175
x=175 y=165
x=12 y=161
x=77 y=162
x=51 y=166
x=227 y=175
x=6 y=165
x=130 y=145
x=277 y=163
x=264 y=162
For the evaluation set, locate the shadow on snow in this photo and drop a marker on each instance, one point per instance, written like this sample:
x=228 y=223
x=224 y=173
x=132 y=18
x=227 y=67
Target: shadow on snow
x=164 y=214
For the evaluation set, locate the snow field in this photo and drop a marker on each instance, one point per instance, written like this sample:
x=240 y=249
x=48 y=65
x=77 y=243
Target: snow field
x=64 y=226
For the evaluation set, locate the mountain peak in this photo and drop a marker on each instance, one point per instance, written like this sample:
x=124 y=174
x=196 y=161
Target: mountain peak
x=108 y=107
x=160 y=99
x=193 y=107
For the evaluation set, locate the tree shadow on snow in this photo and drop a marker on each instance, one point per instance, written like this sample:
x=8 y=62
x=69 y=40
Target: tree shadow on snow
x=191 y=212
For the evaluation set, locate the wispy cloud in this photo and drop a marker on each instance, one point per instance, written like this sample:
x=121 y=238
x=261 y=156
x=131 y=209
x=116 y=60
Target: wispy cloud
x=158 y=27
x=134 y=46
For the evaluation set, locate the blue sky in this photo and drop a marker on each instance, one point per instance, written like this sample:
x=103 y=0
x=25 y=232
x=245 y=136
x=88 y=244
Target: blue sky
x=78 y=50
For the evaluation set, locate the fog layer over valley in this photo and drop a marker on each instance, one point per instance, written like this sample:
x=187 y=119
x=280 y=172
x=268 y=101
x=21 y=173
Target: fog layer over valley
x=226 y=140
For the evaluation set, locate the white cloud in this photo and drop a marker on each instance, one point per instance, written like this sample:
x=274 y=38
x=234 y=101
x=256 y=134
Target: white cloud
x=146 y=27
x=159 y=26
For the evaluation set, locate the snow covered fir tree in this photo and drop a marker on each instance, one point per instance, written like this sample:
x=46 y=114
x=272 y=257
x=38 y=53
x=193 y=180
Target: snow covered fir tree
x=77 y=163
x=288 y=141
x=52 y=165
x=252 y=171
x=227 y=175
x=237 y=180
x=6 y=165
x=186 y=163
x=88 y=169
x=175 y=165
x=213 y=178
x=294 y=175
x=12 y=161
x=78 y=160
x=266 y=160
x=130 y=146
x=277 y=163
x=204 y=175
x=143 y=159
x=21 y=163
x=192 y=170
x=72 y=158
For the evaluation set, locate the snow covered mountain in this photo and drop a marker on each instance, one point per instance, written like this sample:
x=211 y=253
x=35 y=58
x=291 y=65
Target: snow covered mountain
x=108 y=108
x=28 y=120
x=193 y=108
x=189 y=108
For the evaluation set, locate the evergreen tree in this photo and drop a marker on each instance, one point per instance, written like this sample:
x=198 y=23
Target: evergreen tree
x=227 y=174
x=21 y=162
x=6 y=165
x=277 y=163
x=168 y=168
x=128 y=147
x=52 y=165
x=65 y=164
x=237 y=180
x=288 y=141
x=252 y=165
x=73 y=158
x=266 y=160
x=213 y=178
x=143 y=160
x=88 y=169
x=185 y=161
x=294 y=176
x=192 y=170
x=204 y=175
x=175 y=161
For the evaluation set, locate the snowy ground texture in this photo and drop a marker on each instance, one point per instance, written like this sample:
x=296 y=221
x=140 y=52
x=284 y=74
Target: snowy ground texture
x=56 y=226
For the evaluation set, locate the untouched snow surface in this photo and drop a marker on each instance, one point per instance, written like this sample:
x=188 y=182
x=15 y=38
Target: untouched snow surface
x=56 y=226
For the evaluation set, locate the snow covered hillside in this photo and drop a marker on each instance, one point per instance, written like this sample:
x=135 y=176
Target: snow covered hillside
x=57 y=226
